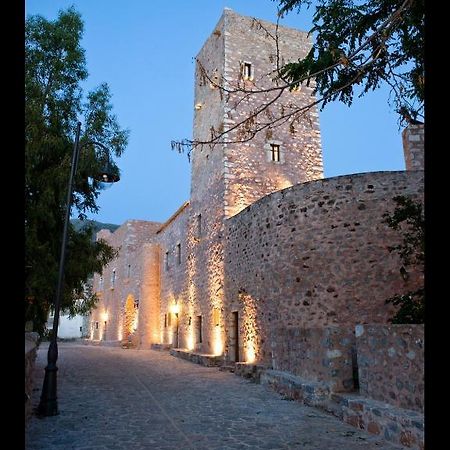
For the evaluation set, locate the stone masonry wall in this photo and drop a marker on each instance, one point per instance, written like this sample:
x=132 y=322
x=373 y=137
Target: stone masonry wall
x=315 y=254
x=173 y=274
x=317 y=354
x=414 y=147
x=249 y=171
x=128 y=266
x=391 y=364
x=149 y=299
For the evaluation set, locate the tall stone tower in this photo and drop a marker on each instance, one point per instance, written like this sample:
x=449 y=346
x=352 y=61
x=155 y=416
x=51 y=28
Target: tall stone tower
x=230 y=176
x=242 y=52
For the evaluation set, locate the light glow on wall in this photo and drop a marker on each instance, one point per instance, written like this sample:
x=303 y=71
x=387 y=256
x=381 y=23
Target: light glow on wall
x=251 y=328
x=217 y=341
x=250 y=354
x=105 y=316
x=120 y=333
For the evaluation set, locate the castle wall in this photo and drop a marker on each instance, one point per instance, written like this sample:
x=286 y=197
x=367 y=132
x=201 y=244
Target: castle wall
x=249 y=171
x=316 y=255
x=173 y=275
x=149 y=298
x=129 y=270
x=326 y=355
x=391 y=364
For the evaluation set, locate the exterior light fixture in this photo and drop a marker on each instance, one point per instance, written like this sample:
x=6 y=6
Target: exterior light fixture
x=48 y=405
x=198 y=106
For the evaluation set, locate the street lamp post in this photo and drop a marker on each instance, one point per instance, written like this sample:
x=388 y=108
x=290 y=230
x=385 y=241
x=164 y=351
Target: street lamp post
x=48 y=405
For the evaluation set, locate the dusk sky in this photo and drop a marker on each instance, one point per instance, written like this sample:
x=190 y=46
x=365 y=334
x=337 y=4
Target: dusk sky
x=144 y=50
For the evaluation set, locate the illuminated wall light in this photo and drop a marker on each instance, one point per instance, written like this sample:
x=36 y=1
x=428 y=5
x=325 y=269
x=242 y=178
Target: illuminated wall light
x=250 y=354
x=198 y=106
x=217 y=341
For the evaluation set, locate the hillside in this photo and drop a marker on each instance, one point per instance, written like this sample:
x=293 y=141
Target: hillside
x=78 y=224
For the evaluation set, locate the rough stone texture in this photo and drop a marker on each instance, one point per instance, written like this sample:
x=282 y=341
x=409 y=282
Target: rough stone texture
x=249 y=173
x=400 y=426
x=295 y=388
x=116 y=399
x=197 y=358
x=129 y=269
x=391 y=364
x=309 y=256
x=31 y=345
x=325 y=355
x=414 y=147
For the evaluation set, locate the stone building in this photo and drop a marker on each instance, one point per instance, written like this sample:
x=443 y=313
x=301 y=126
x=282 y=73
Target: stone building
x=268 y=263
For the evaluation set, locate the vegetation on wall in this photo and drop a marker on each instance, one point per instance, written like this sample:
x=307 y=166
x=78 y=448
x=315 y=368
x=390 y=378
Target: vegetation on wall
x=55 y=67
x=408 y=219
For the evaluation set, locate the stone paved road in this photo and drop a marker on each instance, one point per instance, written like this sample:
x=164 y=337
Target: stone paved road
x=113 y=398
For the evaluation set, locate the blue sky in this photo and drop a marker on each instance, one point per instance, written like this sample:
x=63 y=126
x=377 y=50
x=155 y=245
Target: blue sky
x=144 y=50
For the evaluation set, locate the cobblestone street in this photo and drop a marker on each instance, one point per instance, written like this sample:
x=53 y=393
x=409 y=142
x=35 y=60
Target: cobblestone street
x=114 y=398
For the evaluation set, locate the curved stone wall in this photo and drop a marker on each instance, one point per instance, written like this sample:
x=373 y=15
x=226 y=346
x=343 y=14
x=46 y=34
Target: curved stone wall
x=314 y=255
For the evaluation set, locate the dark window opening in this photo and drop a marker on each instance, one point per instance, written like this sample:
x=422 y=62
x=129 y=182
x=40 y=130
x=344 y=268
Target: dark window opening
x=165 y=320
x=166 y=260
x=275 y=152
x=179 y=253
x=96 y=325
x=199 y=329
x=169 y=319
x=199 y=225
x=247 y=71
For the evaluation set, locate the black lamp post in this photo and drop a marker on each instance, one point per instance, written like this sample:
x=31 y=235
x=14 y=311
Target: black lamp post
x=48 y=405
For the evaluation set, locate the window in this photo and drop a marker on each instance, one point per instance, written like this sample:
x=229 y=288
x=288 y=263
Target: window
x=179 y=253
x=199 y=225
x=275 y=152
x=247 y=72
x=96 y=325
x=169 y=319
x=129 y=271
x=166 y=260
x=113 y=278
x=165 y=320
x=199 y=329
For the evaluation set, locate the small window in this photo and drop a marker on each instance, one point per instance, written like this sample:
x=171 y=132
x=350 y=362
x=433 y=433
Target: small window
x=113 y=279
x=96 y=325
x=169 y=319
x=247 y=72
x=165 y=320
x=275 y=152
x=129 y=271
x=199 y=329
x=166 y=260
x=199 y=225
x=179 y=253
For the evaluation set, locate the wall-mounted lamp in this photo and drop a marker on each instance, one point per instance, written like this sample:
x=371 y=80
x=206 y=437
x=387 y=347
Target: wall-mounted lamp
x=198 y=106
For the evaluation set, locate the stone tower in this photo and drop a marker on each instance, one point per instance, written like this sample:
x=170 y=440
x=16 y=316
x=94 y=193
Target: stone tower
x=229 y=177
x=243 y=51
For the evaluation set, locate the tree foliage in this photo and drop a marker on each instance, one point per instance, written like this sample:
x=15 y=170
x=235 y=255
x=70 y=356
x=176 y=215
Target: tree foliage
x=358 y=46
x=408 y=218
x=364 y=43
x=55 y=68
